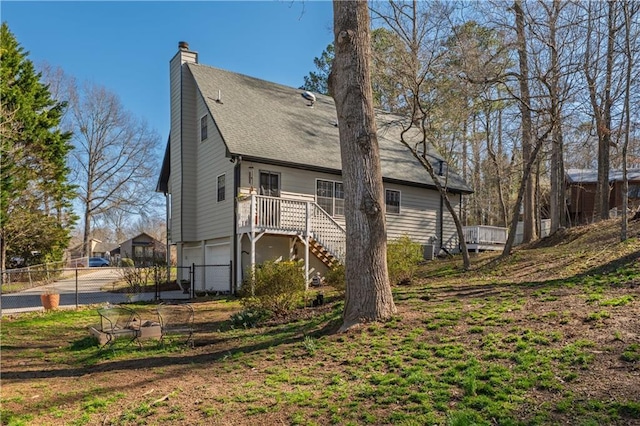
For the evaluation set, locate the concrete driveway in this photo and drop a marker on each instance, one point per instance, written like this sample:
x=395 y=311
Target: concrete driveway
x=79 y=287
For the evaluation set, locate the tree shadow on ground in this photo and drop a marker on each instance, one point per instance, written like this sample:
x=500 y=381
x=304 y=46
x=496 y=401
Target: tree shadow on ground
x=275 y=336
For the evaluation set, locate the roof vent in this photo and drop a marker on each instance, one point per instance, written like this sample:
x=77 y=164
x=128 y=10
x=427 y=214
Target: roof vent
x=183 y=45
x=310 y=97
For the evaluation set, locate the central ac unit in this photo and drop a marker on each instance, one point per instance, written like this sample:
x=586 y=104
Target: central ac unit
x=428 y=251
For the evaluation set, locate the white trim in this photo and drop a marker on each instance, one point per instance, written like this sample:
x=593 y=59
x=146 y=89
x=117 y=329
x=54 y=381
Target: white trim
x=217 y=244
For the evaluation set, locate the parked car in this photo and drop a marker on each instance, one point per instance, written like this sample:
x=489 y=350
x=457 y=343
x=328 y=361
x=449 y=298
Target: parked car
x=98 y=261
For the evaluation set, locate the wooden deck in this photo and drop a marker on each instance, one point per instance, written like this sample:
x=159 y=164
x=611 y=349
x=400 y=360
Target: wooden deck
x=273 y=215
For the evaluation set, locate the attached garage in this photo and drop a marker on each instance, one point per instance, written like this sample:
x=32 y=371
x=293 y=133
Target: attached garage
x=216 y=271
x=190 y=256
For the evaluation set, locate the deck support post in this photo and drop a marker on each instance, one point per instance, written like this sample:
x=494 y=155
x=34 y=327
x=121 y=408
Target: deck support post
x=307 y=235
x=253 y=239
x=238 y=264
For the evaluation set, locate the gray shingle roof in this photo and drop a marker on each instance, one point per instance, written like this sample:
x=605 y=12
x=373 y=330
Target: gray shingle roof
x=268 y=122
x=591 y=175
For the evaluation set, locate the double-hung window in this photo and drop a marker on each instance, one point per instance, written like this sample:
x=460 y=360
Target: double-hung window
x=392 y=201
x=269 y=184
x=330 y=196
x=221 y=187
x=203 y=128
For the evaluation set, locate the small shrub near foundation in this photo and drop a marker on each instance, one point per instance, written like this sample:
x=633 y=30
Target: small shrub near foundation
x=276 y=287
x=403 y=257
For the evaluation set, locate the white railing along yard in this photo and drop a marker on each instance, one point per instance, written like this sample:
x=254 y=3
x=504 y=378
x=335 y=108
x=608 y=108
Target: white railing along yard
x=481 y=234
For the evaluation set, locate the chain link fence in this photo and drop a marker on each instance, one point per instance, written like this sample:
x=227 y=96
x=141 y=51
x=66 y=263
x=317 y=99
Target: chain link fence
x=212 y=279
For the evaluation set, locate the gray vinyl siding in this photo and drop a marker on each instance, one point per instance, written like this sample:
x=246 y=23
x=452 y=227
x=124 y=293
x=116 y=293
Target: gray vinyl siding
x=182 y=89
x=419 y=217
x=294 y=183
x=176 y=162
x=450 y=235
x=419 y=207
x=214 y=218
x=190 y=143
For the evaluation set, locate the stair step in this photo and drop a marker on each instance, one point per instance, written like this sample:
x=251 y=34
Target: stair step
x=321 y=252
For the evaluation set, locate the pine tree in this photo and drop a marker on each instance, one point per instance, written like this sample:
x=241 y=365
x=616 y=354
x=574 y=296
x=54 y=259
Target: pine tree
x=317 y=81
x=34 y=187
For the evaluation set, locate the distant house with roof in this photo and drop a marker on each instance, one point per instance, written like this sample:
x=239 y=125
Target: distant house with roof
x=143 y=249
x=252 y=172
x=581 y=192
x=97 y=248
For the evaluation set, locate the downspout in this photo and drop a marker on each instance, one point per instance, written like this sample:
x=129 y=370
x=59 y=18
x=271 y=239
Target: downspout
x=441 y=218
x=168 y=227
x=460 y=215
x=182 y=169
x=236 y=188
x=440 y=213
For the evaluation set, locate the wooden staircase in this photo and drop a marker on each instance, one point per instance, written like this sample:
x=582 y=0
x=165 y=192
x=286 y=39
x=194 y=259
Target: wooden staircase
x=259 y=214
x=322 y=253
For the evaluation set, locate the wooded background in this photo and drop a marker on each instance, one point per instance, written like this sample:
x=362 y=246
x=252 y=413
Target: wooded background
x=511 y=94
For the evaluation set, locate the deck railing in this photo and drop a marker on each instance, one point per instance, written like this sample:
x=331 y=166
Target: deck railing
x=258 y=213
x=485 y=234
x=328 y=232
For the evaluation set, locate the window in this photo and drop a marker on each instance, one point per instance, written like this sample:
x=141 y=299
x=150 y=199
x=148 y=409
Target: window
x=392 y=200
x=203 y=128
x=221 y=187
x=634 y=191
x=330 y=196
x=270 y=184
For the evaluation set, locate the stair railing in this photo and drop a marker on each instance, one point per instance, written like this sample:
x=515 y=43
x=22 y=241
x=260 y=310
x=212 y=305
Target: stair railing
x=273 y=214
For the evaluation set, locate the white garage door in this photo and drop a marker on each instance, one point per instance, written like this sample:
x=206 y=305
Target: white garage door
x=217 y=268
x=219 y=254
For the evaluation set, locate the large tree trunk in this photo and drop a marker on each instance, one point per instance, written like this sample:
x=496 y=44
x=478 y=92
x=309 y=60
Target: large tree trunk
x=3 y=258
x=602 y=110
x=465 y=162
x=478 y=217
x=627 y=121
x=495 y=160
x=368 y=295
x=529 y=215
x=557 y=198
x=526 y=175
x=86 y=246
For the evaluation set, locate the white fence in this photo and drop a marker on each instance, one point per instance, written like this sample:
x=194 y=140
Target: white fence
x=488 y=236
x=481 y=234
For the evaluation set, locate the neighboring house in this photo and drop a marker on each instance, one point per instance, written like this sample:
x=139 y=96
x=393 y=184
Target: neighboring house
x=97 y=249
x=581 y=192
x=252 y=172
x=143 y=249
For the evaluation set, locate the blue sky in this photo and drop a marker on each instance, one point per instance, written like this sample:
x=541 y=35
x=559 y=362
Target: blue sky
x=126 y=46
